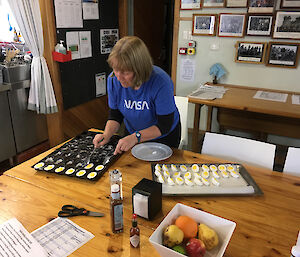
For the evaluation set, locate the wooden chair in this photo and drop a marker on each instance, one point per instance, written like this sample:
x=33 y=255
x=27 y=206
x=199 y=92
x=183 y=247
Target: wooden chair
x=182 y=105
x=292 y=161
x=239 y=149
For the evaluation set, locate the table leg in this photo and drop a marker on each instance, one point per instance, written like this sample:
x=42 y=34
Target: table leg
x=196 y=128
x=209 y=118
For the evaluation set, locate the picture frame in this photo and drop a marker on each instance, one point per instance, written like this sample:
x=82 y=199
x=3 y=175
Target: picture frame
x=261 y=6
x=190 y=4
x=283 y=54
x=231 y=24
x=204 y=24
x=259 y=24
x=287 y=25
x=290 y=4
x=250 y=52
x=236 y=3
x=213 y=3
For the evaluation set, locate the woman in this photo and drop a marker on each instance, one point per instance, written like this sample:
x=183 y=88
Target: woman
x=141 y=95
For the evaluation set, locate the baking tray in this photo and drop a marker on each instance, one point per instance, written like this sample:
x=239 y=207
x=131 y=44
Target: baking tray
x=68 y=159
x=244 y=184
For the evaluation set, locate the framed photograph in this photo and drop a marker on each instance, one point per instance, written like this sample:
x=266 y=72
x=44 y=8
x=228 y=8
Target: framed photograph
x=204 y=24
x=288 y=4
x=250 y=52
x=190 y=4
x=231 y=24
x=261 y=6
x=287 y=25
x=282 y=54
x=236 y=3
x=259 y=24
x=213 y=3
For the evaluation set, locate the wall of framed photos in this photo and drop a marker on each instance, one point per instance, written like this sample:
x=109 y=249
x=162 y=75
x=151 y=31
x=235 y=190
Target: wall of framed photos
x=229 y=45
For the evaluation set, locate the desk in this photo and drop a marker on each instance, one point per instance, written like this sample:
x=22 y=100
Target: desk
x=266 y=225
x=238 y=109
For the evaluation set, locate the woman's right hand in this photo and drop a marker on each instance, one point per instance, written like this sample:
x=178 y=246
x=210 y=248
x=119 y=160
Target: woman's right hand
x=100 y=140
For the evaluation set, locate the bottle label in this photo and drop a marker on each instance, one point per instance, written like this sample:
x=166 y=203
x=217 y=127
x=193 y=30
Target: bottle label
x=118 y=216
x=135 y=240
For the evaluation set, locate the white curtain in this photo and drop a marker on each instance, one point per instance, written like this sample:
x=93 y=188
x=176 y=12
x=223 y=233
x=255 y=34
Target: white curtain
x=28 y=16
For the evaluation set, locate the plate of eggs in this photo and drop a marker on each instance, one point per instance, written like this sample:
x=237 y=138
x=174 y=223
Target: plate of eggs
x=204 y=179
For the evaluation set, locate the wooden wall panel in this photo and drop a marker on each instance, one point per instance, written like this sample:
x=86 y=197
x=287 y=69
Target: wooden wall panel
x=71 y=122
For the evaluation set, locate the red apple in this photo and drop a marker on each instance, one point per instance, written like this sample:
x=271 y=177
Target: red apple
x=195 y=248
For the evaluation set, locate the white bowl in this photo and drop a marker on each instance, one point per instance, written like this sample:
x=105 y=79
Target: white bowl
x=223 y=227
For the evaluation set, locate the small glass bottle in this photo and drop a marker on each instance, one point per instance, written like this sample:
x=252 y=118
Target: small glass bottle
x=134 y=233
x=116 y=201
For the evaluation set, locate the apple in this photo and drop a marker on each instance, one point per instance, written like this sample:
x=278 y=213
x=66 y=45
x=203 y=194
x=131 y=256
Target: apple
x=195 y=248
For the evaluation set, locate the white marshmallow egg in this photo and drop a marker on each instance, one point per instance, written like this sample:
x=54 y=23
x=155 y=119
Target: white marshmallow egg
x=70 y=171
x=205 y=167
x=234 y=174
x=195 y=168
x=213 y=167
x=197 y=175
x=187 y=175
x=230 y=168
x=99 y=167
x=224 y=174
x=173 y=167
x=179 y=180
x=166 y=174
x=171 y=181
x=80 y=173
x=165 y=168
x=188 y=182
x=157 y=173
x=215 y=174
x=205 y=181
x=176 y=174
x=215 y=181
x=89 y=166
x=59 y=169
x=161 y=179
x=157 y=167
x=198 y=181
x=39 y=165
x=221 y=167
x=183 y=168
x=49 y=167
x=205 y=174
x=92 y=175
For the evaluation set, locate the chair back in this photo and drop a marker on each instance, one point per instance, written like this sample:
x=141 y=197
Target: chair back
x=239 y=149
x=292 y=161
x=182 y=105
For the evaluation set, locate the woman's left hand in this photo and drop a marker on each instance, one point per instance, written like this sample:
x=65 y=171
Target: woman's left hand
x=125 y=144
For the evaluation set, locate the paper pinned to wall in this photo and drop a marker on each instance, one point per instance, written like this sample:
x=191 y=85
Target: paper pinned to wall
x=68 y=14
x=187 y=69
x=85 y=44
x=90 y=10
x=79 y=43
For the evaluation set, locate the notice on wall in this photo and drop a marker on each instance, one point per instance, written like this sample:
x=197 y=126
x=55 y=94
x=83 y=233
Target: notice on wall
x=68 y=13
x=90 y=9
x=187 y=69
x=85 y=44
x=79 y=43
x=16 y=241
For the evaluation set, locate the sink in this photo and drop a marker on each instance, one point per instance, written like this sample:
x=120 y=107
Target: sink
x=16 y=73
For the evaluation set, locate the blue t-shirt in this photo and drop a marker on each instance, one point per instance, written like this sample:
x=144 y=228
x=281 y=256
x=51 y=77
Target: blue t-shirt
x=141 y=107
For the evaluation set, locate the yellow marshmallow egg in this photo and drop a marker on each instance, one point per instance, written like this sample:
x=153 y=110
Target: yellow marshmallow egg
x=39 y=165
x=205 y=167
x=195 y=168
x=99 y=167
x=92 y=175
x=183 y=168
x=80 y=173
x=69 y=171
x=49 y=167
x=89 y=166
x=59 y=169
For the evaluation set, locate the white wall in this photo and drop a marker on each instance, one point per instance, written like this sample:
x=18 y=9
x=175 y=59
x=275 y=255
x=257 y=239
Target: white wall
x=244 y=74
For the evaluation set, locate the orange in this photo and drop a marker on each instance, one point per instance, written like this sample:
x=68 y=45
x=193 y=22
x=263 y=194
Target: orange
x=187 y=225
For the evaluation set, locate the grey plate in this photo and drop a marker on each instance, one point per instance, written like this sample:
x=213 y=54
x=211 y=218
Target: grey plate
x=151 y=151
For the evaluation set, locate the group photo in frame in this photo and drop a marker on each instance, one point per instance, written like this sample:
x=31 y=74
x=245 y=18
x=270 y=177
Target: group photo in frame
x=190 y=4
x=231 y=24
x=282 y=54
x=204 y=24
x=250 y=52
x=261 y=6
x=259 y=24
x=236 y=3
x=213 y=3
x=289 y=4
x=287 y=25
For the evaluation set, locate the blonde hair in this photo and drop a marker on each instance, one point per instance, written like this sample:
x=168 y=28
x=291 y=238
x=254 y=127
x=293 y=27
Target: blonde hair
x=131 y=54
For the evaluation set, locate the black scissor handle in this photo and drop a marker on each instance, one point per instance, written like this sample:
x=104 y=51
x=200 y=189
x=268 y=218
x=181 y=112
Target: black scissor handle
x=71 y=210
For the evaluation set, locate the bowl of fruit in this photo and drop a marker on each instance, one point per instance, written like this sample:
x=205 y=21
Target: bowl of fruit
x=187 y=231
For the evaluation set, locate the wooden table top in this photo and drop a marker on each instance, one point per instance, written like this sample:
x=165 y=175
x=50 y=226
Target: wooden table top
x=267 y=225
x=241 y=98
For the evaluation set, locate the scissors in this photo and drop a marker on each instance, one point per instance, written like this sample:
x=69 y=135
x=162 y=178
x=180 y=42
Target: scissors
x=71 y=210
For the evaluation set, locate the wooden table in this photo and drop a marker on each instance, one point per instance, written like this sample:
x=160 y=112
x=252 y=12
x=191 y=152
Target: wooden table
x=238 y=109
x=266 y=225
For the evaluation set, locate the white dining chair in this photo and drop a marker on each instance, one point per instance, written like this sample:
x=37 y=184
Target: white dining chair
x=239 y=149
x=182 y=105
x=292 y=161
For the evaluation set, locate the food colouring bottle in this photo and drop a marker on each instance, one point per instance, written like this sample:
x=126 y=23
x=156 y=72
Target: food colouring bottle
x=116 y=201
x=134 y=233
